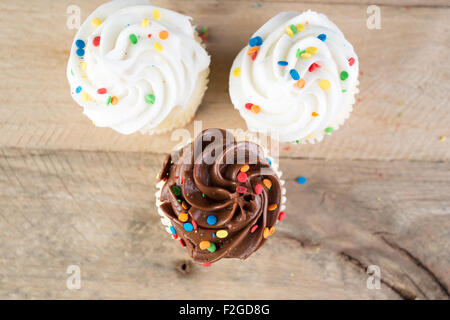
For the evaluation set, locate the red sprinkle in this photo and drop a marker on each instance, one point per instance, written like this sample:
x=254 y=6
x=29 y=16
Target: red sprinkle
x=175 y=236
x=181 y=180
x=241 y=189
x=206 y=264
x=101 y=91
x=254 y=55
x=182 y=242
x=254 y=228
x=248 y=106
x=149 y=35
x=351 y=61
x=242 y=177
x=194 y=224
x=96 y=41
x=282 y=215
x=258 y=188
x=313 y=67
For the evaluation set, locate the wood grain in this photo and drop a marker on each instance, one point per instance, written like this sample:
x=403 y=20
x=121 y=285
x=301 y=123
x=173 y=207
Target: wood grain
x=404 y=86
x=96 y=210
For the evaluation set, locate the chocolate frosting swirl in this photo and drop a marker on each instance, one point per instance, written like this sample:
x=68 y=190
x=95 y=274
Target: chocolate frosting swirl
x=221 y=196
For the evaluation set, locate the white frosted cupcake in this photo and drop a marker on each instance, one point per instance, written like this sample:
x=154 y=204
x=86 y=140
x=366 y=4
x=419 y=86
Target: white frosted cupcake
x=136 y=67
x=296 y=79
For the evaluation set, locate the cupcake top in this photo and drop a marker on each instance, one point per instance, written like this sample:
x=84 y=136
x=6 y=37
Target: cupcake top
x=131 y=63
x=222 y=196
x=296 y=78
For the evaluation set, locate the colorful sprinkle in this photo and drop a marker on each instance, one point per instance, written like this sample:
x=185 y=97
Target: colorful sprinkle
x=294 y=74
x=158 y=46
x=351 y=61
x=85 y=96
x=305 y=55
x=78 y=89
x=313 y=67
x=211 y=220
x=237 y=72
x=145 y=22
x=281 y=216
x=172 y=229
x=206 y=264
x=205 y=244
x=203 y=195
x=150 y=98
x=182 y=243
x=329 y=130
x=300 y=27
x=133 y=38
x=80 y=52
x=272 y=207
x=255 y=109
x=188 y=226
x=300 y=83
x=108 y=101
x=282 y=63
x=156 y=14
x=101 y=91
x=269 y=161
x=163 y=35
x=252 y=50
x=80 y=44
x=254 y=228
x=245 y=168
x=212 y=247
x=268 y=232
x=222 y=234
x=314 y=114
x=322 y=36
x=312 y=50
x=176 y=190
x=293 y=28
x=241 y=189
x=289 y=31
x=255 y=41
x=194 y=224
x=299 y=52
x=267 y=183
x=242 y=177
x=344 y=75
x=325 y=84
x=96 y=22
x=114 y=100
x=442 y=138
x=96 y=41
x=184 y=205
x=258 y=189
x=248 y=106
x=301 y=180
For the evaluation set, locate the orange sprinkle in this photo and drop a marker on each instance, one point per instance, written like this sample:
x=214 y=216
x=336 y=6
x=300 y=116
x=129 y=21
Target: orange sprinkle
x=314 y=114
x=272 y=207
x=183 y=217
x=184 y=205
x=300 y=83
x=163 y=35
x=268 y=232
x=255 y=109
x=114 y=100
x=204 y=245
x=267 y=183
x=252 y=50
x=245 y=168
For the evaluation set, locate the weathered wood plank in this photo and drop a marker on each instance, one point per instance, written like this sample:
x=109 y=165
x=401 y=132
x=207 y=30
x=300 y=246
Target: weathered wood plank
x=96 y=210
x=404 y=86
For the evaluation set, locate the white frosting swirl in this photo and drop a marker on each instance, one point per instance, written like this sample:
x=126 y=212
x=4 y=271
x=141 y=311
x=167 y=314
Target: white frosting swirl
x=290 y=109
x=145 y=73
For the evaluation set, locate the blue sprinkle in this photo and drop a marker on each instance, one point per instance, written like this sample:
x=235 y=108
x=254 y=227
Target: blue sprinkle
x=256 y=41
x=214 y=235
x=322 y=36
x=80 y=44
x=188 y=226
x=268 y=160
x=78 y=89
x=80 y=52
x=211 y=220
x=294 y=74
x=282 y=63
x=172 y=229
x=301 y=180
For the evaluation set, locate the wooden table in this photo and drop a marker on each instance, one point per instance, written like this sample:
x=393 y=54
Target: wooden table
x=378 y=190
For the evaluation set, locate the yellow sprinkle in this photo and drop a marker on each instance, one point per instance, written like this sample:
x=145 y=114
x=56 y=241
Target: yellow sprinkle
x=245 y=168
x=300 y=27
x=156 y=14
x=222 y=234
x=85 y=96
x=204 y=245
x=183 y=217
x=158 y=46
x=268 y=184
x=96 y=22
x=289 y=31
x=83 y=65
x=300 y=83
x=237 y=72
x=145 y=23
x=325 y=84
x=255 y=109
x=305 y=55
x=268 y=232
x=443 y=138
x=312 y=50
x=272 y=207
x=310 y=136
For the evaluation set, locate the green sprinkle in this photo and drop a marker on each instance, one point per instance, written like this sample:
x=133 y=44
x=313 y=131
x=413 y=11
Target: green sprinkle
x=133 y=38
x=344 y=75
x=179 y=200
x=71 y=71
x=329 y=130
x=297 y=141
x=294 y=29
x=343 y=90
x=150 y=98
x=299 y=53
x=212 y=247
x=176 y=190
x=108 y=102
x=203 y=195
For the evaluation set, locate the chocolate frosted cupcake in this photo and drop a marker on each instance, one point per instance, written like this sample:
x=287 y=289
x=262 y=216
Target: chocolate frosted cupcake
x=220 y=196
